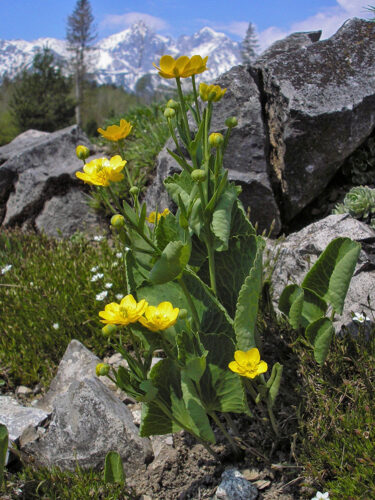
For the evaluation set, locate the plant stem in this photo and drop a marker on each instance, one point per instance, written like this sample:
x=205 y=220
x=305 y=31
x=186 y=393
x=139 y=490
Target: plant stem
x=251 y=389
x=183 y=109
x=196 y=98
x=229 y=438
x=231 y=424
x=194 y=312
x=211 y=264
x=273 y=420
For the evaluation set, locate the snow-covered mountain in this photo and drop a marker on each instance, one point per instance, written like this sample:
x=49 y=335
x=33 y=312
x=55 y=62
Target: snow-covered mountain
x=122 y=59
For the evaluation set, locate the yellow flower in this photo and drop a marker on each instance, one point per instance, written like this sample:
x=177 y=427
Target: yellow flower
x=182 y=67
x=211 y=92
x=248 y=363
x=127 y=311
x=116 y=132
x=152 y=217
x=159 y=318
x=101 y=171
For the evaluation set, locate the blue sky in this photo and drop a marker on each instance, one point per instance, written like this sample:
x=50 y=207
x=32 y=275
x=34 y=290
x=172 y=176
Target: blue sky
x=273 y=19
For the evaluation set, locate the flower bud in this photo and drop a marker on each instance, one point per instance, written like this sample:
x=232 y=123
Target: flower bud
x=109 y=330
x=102 y=369
x=134 y=190
x=172 y=104
x=198 y=175
x=231 y=122
x=82 y=152
x=215 y=139
x=118 y=221
x=169 y=112
x=211 y=92
x=182 y=314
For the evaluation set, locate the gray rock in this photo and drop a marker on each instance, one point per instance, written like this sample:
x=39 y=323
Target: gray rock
x=87 y=422
x=235 y=487
x=66 y=214
x=300 y=250
x=77 y=364
x=246 y=155
x=22 y=142
x=319 y=107
x=39 y=167
x=18 y=418
x=292 y=42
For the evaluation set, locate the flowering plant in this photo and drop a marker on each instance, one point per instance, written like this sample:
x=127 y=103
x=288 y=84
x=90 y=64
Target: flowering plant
x=194 y=279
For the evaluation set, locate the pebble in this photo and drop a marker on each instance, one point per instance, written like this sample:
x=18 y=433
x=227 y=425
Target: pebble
x=23 y=390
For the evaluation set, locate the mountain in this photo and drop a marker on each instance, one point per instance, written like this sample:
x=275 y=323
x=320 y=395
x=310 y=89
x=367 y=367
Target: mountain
x=126 y=58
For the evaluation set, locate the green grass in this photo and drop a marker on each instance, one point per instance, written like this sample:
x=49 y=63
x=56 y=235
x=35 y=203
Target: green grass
x=55 y=484
x=50 y=284
x=338 y=425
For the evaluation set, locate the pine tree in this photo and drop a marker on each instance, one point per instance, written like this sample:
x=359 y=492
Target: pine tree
x=80 y=34
x=249 y=45
x=40 y=98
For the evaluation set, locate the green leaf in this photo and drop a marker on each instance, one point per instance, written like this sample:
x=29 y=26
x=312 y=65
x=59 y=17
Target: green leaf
x=277 y=371
x=4 y=438
x=192 y=355
x=301 y=305
x=179 y=184
x=142 y=217
x=135 y=276
x=195 y=408
x=197 y=139
x=181 y=161
x=222 y=216
x=331 y=274
x=129 y=213
x=212 y=315
x=222 y=390
x=171 y=263
x=113 y=468
x=248 y=301
x=150 y=391
x=168 y=229
x=233 y=265
x=168 y=413
x=320 y=334
x=291 y=303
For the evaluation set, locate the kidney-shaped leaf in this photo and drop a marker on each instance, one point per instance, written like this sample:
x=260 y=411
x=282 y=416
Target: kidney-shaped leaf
x=331 y=274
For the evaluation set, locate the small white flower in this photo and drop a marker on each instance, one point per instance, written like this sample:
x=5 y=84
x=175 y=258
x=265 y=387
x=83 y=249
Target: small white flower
x=119 y=255
x=98 y=238
x=360 y=317
x=102 y=295
x=119 y=296
x=126 y=249
x=115 y=263
x=31 y=283
x=56 y=326
x=321 y=496
x=97 y=277
x=108 y=285
x=94 y=269
x=6 y=268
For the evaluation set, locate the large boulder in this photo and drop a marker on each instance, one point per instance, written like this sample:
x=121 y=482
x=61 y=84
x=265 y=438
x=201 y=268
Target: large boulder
x=299 y=251
x=38 y=187
x=303 y=107
x=320 y=107
x=87 y=420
